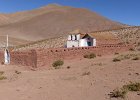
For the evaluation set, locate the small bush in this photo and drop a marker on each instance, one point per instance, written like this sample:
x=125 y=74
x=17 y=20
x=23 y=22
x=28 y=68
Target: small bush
x=128 y=56
x=136 y=58
x=131 y=49
x=132 y=87
x=1 y=72
x=116 y=59
x=121 y=93
x=99 y=64
x=118 y=93
x=57 y=64
x=17 y=72
x=116 y=53
x=3 y=77
x=86 y=73
x=86 y=56
x=90 y=56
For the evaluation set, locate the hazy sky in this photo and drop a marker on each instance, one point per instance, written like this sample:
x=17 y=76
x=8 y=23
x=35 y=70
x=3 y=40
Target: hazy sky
x=124 y=11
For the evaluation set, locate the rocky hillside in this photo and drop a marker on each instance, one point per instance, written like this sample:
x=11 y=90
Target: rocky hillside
x=129 y=35
x=46 y=43
x=52 y=21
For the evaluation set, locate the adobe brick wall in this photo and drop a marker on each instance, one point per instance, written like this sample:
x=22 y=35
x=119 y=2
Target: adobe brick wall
x=38 y=58
x=1 y=57
x=24 y=58
x=45 y=57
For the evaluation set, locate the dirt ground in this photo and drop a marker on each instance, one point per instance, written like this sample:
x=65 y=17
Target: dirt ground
x=86 y=79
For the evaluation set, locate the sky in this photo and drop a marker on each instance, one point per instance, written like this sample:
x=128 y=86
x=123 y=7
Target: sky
x=124 y=11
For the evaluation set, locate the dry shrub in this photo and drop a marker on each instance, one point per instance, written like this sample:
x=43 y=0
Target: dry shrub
x=86 y=73
x=132 y=56
x=1 y=72
x=131 y=49
x=17 y=72
x=116 y=59
x=57 y=64
x=136 y=58
x=132 y=86
x=121 y=93
x=90 y=56
x=1 y=75
x=118 y=93
x=116 y=53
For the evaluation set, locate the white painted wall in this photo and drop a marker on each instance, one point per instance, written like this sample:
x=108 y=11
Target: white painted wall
x=72 y=43
x=72 y=37
x=69 y=37
x=83 y=43
x=94 y=42
x=78 y=36
x=77 y=42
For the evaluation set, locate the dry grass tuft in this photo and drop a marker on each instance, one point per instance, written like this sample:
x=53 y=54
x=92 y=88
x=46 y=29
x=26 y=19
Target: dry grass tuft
x=57 y=64
x=133 y=56
x=86 y=73
x=122 y=92
x=90 y=56
x=1 y=75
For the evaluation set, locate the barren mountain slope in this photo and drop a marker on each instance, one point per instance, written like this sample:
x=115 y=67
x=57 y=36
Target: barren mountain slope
x=52 y=21
x=26 y=15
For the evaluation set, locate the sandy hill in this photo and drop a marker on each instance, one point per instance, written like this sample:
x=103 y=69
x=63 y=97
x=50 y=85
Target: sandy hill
x=52 y=21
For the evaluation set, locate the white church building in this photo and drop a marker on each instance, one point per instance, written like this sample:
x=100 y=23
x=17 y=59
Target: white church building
x=80 y=40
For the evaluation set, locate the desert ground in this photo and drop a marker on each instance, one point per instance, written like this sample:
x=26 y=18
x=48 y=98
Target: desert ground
x=77 y=79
